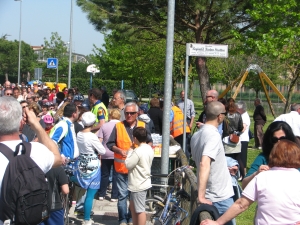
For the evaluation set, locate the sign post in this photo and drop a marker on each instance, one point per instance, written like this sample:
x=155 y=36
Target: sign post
x=202 y=50
x=52 y=63
x=38 y=73
x=92 y=69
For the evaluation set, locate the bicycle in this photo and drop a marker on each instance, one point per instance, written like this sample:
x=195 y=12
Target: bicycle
x=67 y=199
x=168 y=210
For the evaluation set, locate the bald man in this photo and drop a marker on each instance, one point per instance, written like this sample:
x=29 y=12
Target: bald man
x=213 y=179
x=211 y=96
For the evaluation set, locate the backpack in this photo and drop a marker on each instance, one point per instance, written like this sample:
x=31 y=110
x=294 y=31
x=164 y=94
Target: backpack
x=24 y=189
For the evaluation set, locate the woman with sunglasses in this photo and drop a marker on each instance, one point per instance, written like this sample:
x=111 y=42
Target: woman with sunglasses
x=277 y=130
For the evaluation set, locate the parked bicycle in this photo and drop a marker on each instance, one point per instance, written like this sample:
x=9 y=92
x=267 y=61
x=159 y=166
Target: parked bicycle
x=168 y=210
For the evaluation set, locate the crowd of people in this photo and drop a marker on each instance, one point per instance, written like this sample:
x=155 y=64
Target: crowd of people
x=110 y=144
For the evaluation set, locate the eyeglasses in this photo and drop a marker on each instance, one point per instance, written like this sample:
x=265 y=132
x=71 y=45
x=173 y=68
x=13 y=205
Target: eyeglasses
x=276 y=139
x=23 y=107
x=8 y=94
x=130 y=113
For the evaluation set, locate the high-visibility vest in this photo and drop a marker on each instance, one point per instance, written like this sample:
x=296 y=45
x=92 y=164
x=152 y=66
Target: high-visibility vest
x=95 y=111
x=123 y=142
x=176 y=127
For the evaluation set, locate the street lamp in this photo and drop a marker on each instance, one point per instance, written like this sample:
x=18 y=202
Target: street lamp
x=19 y=63
x=70 y=45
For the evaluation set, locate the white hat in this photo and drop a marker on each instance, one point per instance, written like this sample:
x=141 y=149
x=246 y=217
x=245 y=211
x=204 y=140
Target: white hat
x=88 y=119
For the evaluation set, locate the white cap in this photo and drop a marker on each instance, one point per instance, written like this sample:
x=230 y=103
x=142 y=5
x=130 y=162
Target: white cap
x=88 y=119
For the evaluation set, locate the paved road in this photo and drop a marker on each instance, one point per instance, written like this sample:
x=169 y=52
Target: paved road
x=105 y=213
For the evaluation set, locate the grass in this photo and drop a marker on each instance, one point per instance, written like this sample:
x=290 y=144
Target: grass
x=246 y=218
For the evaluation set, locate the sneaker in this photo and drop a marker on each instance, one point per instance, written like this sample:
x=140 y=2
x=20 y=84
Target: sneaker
x=101 y=198
x=81 y=213
x=87 y=222
x=260 y=148
x=130 y=223
x=123 y=223
x=113 y=200
x=109 y=187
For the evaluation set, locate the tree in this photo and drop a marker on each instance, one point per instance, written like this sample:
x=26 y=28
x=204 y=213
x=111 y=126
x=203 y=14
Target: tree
x=277 y=36
x=255 y=23
x=196 y=21
x=9 y=54
x=124 y=58
x=56 y=48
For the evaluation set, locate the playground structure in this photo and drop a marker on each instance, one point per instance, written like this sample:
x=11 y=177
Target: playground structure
x=263 y=77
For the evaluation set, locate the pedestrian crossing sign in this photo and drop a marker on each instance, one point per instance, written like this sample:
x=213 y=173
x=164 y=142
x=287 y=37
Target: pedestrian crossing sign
x=52 y=63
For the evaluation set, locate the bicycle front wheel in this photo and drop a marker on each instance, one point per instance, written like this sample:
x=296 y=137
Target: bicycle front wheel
x=65 y=203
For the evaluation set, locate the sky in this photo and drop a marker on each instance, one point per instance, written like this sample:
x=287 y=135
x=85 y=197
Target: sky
x=42 y=17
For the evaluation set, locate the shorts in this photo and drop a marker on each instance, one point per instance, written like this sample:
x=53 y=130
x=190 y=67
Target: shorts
x=138 y=199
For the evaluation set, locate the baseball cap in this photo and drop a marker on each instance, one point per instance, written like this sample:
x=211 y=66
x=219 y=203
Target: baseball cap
x=88 y=119
x=144 y=107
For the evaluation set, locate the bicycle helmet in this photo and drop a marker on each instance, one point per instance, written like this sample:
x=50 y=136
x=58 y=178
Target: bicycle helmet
x=78 y=98
x=48 y=119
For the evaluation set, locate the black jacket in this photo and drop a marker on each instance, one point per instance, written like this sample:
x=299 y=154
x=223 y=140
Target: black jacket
x=233 y=122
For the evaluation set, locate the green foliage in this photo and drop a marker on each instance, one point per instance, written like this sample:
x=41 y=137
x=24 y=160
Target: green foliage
x=9 y=55
x=268 y=28
x=55 y=47
x=130 y=59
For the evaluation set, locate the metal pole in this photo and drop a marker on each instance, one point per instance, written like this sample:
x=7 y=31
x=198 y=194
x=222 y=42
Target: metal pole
x=70 y=45
x=168 y=88
x=186 y=86
x=91 y=81
x=57 y=73
x=19 y=63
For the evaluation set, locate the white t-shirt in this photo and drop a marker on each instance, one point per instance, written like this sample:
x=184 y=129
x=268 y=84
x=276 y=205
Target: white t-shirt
x=293 y=119
x=88 y=143
x=207 y=141
x=40 y=154
x=277 y=194
x=246 y=120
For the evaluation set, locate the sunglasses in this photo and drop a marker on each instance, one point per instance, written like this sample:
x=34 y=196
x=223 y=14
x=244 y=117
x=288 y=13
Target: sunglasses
x=130 y=113
x=224 y=113
x=276 y=139
x=8 y=94
x=23 y=107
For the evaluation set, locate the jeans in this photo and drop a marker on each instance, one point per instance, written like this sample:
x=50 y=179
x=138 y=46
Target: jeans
x=106 y=165
x=223 y=206
x=123 y=210
x=55 y=218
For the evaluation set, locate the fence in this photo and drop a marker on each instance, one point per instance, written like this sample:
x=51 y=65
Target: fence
x=247 y=95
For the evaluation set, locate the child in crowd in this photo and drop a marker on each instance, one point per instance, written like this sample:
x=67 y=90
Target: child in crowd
x=138 y=163
x=48 y=122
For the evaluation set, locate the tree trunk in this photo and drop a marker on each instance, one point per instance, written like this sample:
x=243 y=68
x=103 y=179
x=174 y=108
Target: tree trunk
x=203 y=76
x=291 y=89
x=191 y=87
